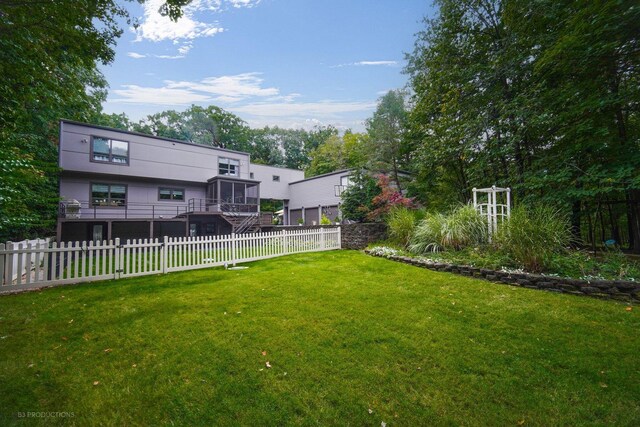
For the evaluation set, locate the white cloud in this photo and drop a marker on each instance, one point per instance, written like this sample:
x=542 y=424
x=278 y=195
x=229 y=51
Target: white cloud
x=367 y=63
x=136 y=55
x=244 y=3
x=388 y=63
x=168 y=56
x=185 y=48
x=325 y=108
x=134 y=94
x=231 y=88
x=225 y=89
x=246 y=95
x=155 y=27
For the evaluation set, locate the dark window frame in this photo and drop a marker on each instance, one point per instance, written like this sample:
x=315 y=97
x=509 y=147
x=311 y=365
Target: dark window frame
x=237 y=174
x=172 y=189
x=108 y=205
x=275 y=178
x=110 y=161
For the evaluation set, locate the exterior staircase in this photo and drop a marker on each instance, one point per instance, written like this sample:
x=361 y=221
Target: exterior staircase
x=243 y=223
x=240 y=222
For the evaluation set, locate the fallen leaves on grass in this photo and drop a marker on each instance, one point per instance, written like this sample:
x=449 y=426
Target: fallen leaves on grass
x=107 y=350
x=96 y=383
x=268 y=365
x=629 y=308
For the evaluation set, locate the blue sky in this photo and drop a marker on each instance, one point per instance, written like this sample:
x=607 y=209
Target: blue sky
x=291 y=63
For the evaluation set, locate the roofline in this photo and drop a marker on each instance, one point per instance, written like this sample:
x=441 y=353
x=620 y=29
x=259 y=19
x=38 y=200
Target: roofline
x=323 y=175
x=277 y=167
x=339 y=172
x=129 y=132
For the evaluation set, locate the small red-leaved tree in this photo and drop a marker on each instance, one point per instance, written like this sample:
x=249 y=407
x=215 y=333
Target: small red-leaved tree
x=389 y=198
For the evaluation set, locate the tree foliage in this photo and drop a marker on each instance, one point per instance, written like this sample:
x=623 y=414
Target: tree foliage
x=390 y=150
x=339 y=152
x=357 y=199
x=50 y=54
x=539 y=96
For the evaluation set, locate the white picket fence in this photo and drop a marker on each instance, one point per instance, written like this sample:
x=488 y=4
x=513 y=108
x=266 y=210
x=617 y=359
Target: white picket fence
x=74 y=262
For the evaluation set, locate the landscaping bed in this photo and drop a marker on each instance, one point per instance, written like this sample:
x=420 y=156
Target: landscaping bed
x=623 y=290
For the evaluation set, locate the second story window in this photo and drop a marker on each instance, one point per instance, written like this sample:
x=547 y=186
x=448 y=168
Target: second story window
x=229 y=167
x=171 y=194
x=109 y=151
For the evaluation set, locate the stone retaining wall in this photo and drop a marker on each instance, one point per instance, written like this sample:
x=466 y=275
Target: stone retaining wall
x=358 y=236
x=607 y=289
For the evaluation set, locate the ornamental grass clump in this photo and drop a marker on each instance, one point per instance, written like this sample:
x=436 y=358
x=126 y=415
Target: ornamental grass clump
x=460 y=228
x=402 y=224
x=533 y=236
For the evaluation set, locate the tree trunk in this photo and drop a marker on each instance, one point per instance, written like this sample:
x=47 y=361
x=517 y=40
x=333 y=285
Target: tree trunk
x=575 y=221
x=633 y=219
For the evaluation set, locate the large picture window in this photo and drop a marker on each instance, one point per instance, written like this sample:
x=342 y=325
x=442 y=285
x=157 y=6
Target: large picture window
x=228 y=167
x=176 y=194
x=113 y=195
x=109 y=150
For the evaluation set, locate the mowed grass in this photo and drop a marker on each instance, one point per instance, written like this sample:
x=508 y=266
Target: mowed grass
x=351 y=340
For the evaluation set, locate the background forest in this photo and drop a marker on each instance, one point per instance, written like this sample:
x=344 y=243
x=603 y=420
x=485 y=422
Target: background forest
x=541 y=96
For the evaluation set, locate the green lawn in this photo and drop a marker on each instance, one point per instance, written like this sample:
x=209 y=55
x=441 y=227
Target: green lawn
x=351 y=340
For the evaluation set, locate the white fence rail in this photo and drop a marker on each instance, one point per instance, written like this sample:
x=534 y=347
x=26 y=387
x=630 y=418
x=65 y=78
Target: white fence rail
x=34 y=265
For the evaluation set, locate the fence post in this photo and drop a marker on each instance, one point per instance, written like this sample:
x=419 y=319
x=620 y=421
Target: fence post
x=285 y=240
x=322 y=245
x=116 y=257
x=163 y=254
x=340 y=237
x=2 y=258
x=233 y=249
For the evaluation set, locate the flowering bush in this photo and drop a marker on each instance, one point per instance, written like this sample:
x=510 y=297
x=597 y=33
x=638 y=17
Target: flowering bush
x=388 y=198
x=384 y=251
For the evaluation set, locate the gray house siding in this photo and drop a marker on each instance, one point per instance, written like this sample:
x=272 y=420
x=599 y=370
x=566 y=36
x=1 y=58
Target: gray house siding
x=316 y=191
x=142 y=197
x=149 y=157
x=152 y=163
x=270 y=189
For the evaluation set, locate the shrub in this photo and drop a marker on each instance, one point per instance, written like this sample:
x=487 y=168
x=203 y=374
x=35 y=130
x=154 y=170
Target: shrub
x=532 y=236
x=462 y=227
x=402 y=223
x=324 y=220
x=389 y=198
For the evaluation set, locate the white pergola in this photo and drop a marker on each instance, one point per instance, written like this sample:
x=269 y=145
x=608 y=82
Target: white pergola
x=497 y=207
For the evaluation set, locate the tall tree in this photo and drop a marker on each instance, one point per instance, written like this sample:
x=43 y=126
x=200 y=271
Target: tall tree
x=339 y=152
x=386 y=129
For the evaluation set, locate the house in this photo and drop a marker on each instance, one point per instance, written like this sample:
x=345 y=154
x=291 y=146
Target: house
x=116 y=183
